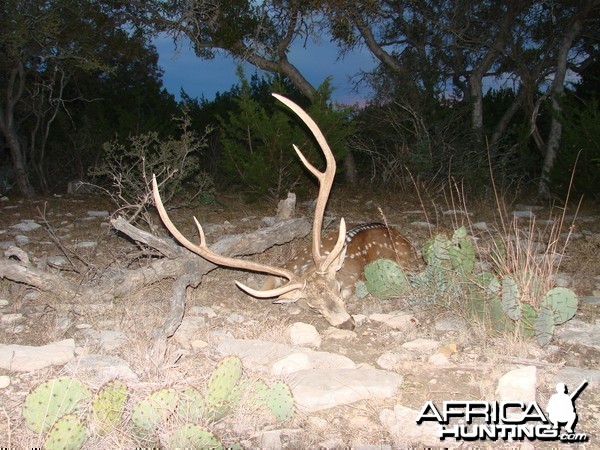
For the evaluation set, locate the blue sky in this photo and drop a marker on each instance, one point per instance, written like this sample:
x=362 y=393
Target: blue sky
x=198 y=77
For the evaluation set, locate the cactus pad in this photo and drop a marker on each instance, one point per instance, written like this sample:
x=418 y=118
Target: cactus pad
x=68 y=433
x=562 y=302
x=544 y=326
x=191 y=405
x=280 y=401
x=154 y=409
x=511 y=298
x=52 y=400
x=385 y=278
x=108 y=406
x=194 y=436
x=220 y=386
x=462 y=252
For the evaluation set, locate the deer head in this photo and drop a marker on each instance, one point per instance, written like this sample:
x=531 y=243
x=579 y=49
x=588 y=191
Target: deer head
x=319 y=288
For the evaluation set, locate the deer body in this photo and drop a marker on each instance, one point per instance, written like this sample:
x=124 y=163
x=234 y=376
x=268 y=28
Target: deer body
x=364 y=244
x=326 y=274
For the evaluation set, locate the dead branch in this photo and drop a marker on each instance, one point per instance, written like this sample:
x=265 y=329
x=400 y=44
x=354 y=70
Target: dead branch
x=185 y=267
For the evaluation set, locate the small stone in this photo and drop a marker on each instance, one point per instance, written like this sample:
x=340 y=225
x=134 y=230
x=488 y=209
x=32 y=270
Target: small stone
x=235 y=318
x=86 y=244
x=439 y=359
x=4 y=381
x=337 y=334
x=304 y=334
x=397 y=321
x=12 y=318
x=389 y=360
x=289 y=364
x=421 y=345
x=98 y=213
x=518 y=385
x=4 y=302
x=202 y=311
x=198 y=344
x=26 y=225
x=332 y=444
x=21 y=239
x=359 y=319
x=83 y=326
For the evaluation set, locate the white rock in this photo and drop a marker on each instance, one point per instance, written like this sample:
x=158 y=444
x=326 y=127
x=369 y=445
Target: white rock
x=202 y=311
x=337 y=334
x=26 y=225
x=518 y=385
x=23 y=358
x=396 y=321
x=98 y=369
x=261 y=355
x=289 y=364
x=98 y=213
x=190 y=329
x=332 y=444
x=112 y=340
x=317 y=389
x=439 y=359
x=359 y=319
x=401 y=423
x=21 y=239
x=12 y=318
x=198 y=344
x=4 y=381
x=389 y=360
x=4 y=302
x=86 y=244
x=421 y=345
x=304 y=334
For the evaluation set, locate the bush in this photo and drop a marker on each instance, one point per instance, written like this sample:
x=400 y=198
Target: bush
x=257 y=140
x=579 y=150
x=126 y=170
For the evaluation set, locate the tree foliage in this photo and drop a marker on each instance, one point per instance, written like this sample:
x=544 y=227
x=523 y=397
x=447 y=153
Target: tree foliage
x=257 y=137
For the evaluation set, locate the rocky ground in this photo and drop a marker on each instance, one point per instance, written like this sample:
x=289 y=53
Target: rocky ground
x=360 y=389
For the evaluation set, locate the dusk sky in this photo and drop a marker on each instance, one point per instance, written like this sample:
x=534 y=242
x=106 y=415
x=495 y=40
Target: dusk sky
x=198 y=77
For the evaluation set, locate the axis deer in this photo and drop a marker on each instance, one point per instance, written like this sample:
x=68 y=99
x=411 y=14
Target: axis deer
x=326 y=275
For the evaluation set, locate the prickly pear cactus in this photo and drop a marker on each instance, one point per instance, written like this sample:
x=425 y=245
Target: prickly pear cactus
x=52 y=400
x=462 y=252
x=528 y=319
x=435 y=251
x=544 y=326
x=360 y=289
x=562 y=302
x=385 y=278
x=511 y=298
x=194 y=436
x=154 y=409
x=218 y=401
x=191 y=405
x=68 y=433
x=108 y=406
x=280 y=401
x=250 y=392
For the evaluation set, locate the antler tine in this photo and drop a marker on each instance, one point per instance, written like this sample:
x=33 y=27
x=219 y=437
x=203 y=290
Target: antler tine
x=325 y=182
x=206 y=253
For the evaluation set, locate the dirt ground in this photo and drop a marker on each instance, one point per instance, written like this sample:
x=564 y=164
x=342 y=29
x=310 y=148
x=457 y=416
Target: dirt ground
x=479 y=361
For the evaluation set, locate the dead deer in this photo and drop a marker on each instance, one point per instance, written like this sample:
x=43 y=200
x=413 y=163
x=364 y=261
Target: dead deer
x=326 y=275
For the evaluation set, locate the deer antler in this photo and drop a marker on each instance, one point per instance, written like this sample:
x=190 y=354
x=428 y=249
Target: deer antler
x=323 y=263
x=325 y=178
x=203 y=251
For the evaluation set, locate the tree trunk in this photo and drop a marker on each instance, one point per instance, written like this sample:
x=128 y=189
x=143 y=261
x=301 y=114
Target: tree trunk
x=557 y=90
x=15 y=85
